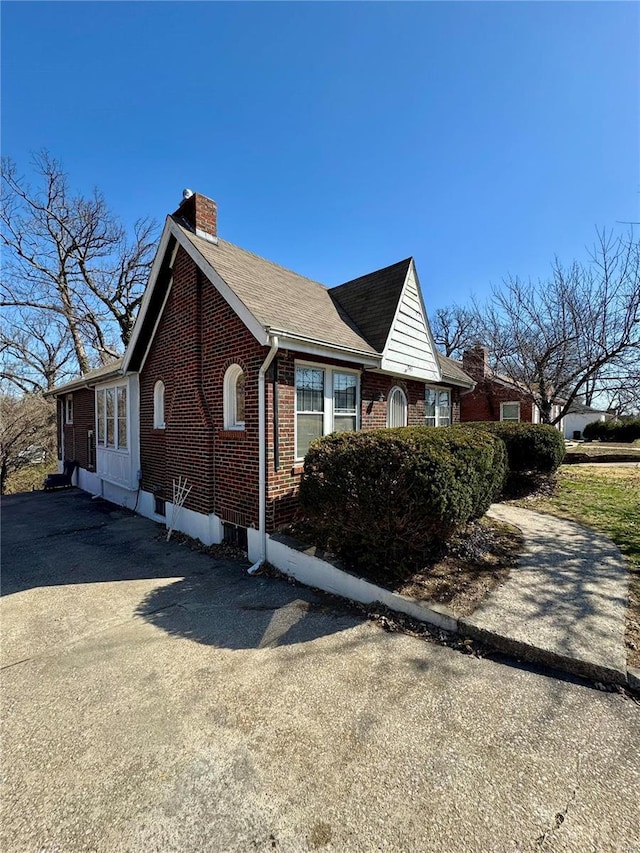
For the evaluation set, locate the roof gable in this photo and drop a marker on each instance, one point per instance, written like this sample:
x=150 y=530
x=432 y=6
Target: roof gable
x=371 y=301
x=410 y=349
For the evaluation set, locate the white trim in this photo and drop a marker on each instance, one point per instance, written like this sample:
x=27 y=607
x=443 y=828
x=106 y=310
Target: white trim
x=104 y=386
x=438 y=389
x=311 y=346
x=510 y=403
x=229 y=397
x=156 y=324
x=328 y=414
x=394 y=390
x=261 y=542
x=146 y=299
x=68 y=405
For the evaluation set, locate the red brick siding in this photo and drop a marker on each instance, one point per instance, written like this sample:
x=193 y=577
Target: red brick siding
x=283 y=484
x=483 y=403
x=198 y=337
x=76 y=434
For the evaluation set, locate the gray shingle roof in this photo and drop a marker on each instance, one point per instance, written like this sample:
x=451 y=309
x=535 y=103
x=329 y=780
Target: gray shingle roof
x=371 y=300
x=452 y=370
x=357 y=314
x=279 y=298
x=92 y=377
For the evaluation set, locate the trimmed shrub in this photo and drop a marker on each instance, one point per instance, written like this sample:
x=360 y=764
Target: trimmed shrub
x=531 y=448
x=623 y=431
x=389 y=495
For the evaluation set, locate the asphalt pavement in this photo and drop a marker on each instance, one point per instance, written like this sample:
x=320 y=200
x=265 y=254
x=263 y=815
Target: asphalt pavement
x=155 y=699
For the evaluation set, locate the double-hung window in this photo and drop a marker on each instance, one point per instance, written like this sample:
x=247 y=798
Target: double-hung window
x=437 y=406
x=326 y=401
x=509 y=411
x=111 y=417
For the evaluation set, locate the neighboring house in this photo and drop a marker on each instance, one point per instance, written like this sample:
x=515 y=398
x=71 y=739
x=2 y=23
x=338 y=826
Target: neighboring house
x=579 y=416
x=494 y=397
x=235 y=365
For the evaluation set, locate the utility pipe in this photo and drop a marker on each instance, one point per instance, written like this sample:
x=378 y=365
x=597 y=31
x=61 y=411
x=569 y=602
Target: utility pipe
x=262 y=454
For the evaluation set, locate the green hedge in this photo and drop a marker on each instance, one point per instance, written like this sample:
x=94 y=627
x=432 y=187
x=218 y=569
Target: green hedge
x=625 y=431
x=531 y=448
x=389 y=495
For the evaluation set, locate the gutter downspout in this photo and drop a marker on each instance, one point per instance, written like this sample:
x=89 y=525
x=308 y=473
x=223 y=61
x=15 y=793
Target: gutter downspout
x=262 y=454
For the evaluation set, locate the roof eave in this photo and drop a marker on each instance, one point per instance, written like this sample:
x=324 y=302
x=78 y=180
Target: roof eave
x=86 y=381
x=294 y=340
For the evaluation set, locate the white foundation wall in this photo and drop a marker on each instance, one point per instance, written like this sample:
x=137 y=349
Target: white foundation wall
x=314 y=572
x=206 y=528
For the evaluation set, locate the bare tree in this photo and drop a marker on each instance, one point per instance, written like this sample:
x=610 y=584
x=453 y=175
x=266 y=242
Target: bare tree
x=68 y=258
x=27 y=426
x=573 y=335
x=454 y=328
x=36 y=352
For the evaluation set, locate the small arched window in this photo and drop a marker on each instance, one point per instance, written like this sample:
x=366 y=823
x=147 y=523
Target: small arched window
x=158 y=405
x=234 y=397
x=397 y=408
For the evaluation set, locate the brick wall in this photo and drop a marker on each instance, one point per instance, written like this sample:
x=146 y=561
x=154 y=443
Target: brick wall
x=483 y=403
x=76 y=434
x=282 y=485
x=198 y=337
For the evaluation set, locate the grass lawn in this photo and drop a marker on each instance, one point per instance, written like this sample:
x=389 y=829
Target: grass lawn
x=607 y=499
x=603 y=450
x=30 y=477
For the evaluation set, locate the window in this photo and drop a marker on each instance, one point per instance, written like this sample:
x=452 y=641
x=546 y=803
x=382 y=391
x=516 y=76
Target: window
x=326 y=401
x=111 y=417
x=158 y=405
x=437 y=406
x=233 y=399
x=397 y=408
x=68 y=409
x=509 y=411
x=345 y=415
x=309 y=407
x=159 y=506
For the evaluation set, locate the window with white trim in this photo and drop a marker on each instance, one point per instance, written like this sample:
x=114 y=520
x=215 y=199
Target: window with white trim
x=509 y=411
x=68 y=409
x=111 y=417
x=233 y=397
x=158 y=405
x=326 y=401
x=397 y=408
x=437 y=406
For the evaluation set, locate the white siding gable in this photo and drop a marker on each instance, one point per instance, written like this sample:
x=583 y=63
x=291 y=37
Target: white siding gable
x=410 y=350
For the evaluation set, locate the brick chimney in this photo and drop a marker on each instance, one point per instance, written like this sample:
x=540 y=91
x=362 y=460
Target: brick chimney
x=475 y=362
x=199 y=214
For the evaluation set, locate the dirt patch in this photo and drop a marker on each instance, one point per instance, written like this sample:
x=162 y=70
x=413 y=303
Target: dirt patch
x=477 y=560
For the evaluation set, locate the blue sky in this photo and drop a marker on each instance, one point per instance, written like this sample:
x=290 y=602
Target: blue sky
x=481 y=138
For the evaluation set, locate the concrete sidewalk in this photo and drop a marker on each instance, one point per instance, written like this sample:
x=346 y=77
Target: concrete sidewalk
x=565 y=603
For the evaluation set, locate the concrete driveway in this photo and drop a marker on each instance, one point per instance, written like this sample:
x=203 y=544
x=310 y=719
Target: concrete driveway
x=156 y=700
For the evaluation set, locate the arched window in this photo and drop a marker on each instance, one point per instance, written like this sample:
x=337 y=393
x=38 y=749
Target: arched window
x=158 y=405
x=397 y=408
x=233 y=399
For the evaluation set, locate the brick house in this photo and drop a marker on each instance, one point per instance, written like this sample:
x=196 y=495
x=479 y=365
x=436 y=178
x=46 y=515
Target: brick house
x=235 y=365
x=495 y=397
